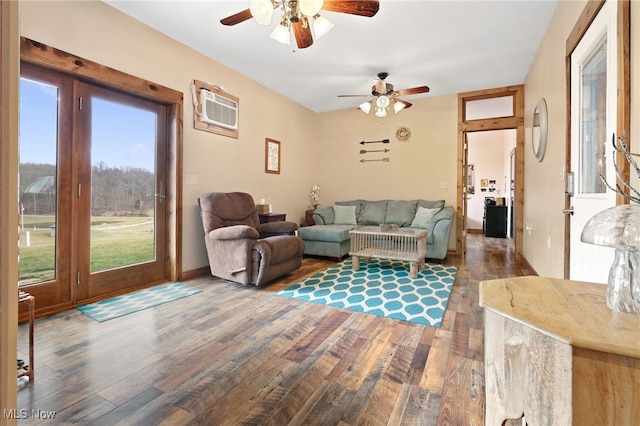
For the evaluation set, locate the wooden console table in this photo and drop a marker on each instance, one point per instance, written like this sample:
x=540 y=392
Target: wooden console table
x=555 y=354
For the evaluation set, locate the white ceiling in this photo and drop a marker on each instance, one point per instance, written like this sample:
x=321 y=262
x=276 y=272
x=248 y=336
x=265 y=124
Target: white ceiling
x=451 y=46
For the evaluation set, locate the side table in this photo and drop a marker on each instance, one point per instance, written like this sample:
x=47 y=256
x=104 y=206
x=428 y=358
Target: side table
x=272 y=217
x=308 y=218
x=24 y=297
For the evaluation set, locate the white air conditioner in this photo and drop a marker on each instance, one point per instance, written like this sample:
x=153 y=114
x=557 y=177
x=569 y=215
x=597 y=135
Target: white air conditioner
x=218 y=110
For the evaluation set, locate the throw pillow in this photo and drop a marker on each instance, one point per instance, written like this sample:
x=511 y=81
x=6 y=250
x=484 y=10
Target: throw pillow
x=344 y=215
x=431 y=204
x=372 y=213
x=400 y=212
x=423 y=217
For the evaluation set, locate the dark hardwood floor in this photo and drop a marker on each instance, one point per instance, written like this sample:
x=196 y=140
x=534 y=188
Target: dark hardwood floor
x=241 y=355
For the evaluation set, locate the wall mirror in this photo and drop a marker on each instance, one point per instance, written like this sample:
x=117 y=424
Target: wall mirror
x=539 y=129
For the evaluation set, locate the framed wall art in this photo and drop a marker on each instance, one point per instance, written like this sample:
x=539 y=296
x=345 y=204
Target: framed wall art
x=272 y=156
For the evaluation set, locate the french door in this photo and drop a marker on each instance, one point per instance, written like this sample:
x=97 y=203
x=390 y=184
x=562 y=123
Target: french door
x=92 y=182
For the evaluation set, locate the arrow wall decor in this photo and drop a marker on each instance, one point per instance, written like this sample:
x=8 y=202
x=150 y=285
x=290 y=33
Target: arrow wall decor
x=386 y=160
x=364 y=151
x=382 y=141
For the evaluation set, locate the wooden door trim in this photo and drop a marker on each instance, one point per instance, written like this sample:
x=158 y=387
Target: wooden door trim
x=501 y=123
x=89 y=71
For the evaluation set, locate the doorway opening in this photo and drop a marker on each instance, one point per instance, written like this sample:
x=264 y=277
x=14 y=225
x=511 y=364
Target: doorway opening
x=496 y=175
x=489 y=183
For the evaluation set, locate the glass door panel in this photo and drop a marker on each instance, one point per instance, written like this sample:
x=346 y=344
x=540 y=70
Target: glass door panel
x=123 y=152
x=37 y=186
x=593 y=139
x=44 y=185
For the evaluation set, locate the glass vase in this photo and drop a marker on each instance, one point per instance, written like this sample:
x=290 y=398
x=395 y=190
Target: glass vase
x=623 y=289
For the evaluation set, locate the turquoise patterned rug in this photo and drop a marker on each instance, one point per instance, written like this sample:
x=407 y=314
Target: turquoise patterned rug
x=383 y=288
x=137 y=301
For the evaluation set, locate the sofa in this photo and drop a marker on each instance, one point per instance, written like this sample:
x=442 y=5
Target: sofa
x=329 y=236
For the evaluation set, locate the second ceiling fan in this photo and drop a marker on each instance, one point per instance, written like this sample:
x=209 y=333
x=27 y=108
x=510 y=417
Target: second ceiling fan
x=383 y=95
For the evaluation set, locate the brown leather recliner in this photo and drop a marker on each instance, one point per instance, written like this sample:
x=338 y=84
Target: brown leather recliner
x=240 y=248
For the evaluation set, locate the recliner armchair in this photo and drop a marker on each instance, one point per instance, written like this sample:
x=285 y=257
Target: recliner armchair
x=239 y=247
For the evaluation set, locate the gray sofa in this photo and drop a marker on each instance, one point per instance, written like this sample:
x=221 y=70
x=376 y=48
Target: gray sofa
x=330 y=234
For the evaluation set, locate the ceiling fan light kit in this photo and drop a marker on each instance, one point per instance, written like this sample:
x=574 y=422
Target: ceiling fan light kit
x=302 y=17
x=385 y=96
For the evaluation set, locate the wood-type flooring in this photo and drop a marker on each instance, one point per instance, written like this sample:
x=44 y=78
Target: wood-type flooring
x=242 y=355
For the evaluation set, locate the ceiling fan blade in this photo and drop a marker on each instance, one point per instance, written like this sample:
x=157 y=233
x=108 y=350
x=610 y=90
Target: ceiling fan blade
x=412 y=91
x=353 y=96
x=366 y=8
x=303 y=35
x=237 y=18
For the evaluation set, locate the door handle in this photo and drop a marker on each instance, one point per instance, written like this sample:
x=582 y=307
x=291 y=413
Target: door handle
x=568 y=211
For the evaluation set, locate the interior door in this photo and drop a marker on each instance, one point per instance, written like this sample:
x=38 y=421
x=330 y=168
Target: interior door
x=120 y=191
x=593 y=120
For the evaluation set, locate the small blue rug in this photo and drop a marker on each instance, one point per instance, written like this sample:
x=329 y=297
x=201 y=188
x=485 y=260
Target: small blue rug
x=383 y=288
x=118 y=306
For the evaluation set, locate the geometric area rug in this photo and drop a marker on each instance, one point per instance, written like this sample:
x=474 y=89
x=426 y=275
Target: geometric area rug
x=118 y=306
x=382 y=287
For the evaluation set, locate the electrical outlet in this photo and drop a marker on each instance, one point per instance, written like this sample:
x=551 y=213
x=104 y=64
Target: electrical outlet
x=548 y=242
x=444 y=185
x=192 y=179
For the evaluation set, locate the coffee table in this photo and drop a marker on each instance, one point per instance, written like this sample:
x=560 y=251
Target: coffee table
x=407 y=244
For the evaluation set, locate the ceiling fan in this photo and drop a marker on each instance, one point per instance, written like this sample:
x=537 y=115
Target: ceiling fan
x=303 y=16
x=384 y=95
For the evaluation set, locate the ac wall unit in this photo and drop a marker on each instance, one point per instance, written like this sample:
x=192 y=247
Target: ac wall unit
x=218 y=110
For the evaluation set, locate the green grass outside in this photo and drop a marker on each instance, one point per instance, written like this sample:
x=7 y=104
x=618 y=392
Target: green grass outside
x=116 y=242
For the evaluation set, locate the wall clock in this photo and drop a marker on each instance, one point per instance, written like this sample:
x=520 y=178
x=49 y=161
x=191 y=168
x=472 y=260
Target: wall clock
x=403 y=134
x=539 y=129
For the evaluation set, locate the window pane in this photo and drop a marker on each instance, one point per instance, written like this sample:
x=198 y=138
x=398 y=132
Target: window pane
x=593 y=120
x=123 y=141
x=489 y=108
x=38 y=143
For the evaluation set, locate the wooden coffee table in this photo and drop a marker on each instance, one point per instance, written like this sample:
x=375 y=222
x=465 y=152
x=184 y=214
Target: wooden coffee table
x=407 y=244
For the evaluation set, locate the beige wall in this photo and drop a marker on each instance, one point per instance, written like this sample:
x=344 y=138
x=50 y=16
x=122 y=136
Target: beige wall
x=544 y=181
x=416 y=168
x=98 y=32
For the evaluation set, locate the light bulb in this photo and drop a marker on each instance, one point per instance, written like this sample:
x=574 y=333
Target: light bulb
x=382 y=101
x=310 y=7
x=262 y=11
x=321 y=26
